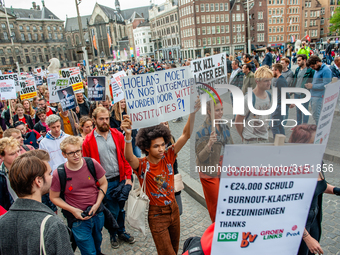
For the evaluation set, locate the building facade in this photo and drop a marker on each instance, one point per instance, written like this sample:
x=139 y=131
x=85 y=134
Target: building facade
x=38 y=36
x=165 y=34
x=143 y=42
x=258 y=23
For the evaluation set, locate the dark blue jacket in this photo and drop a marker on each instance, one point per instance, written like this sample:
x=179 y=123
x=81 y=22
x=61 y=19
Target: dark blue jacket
x=335 y=71
x=6 y=199
x=268 y=60
x=280 y=83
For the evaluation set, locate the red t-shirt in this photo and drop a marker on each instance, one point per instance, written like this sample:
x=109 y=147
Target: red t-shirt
x=23 y=119
x=159 y=178
x=81 y=191
x=49 y=112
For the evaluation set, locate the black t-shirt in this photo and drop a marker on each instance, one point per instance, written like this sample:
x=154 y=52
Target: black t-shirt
x=83 y=109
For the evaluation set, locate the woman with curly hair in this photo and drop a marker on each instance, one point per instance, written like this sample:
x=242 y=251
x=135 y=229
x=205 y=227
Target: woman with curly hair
x=85 y=126
x=305 y=133
x=157 y=170
x=209 y=148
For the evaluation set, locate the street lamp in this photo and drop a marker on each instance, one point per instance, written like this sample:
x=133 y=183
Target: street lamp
x=82 y=39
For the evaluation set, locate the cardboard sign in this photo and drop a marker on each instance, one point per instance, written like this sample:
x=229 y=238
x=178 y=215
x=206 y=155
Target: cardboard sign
x=264 y=200
x=117 y=92
x=96 y=88
x=73 y=74
x=210 y=70
x=118 y=76
x=28 y=89
x=327 y=112
x=14 y=77
x=67 y=98
x=38 y=80
x=157 y=97
x=7 y=89
x=52 y=87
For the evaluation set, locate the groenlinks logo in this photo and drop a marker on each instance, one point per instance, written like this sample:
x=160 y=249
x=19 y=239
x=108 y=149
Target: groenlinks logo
x=272 y=234
x=227 y=237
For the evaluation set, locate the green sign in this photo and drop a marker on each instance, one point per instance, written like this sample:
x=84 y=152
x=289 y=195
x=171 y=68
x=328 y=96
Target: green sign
x=62 y=82
x=227 y=236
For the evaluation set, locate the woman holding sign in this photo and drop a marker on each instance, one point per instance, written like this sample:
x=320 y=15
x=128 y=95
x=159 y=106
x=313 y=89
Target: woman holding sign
x=312 y=234
x=209 y=148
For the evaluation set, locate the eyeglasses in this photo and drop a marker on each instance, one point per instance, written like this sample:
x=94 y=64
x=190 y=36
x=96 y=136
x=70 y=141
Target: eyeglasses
x=73 y=153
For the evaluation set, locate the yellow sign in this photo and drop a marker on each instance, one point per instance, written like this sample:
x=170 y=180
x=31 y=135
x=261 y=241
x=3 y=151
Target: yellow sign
x=77 y=86
x=28 y=96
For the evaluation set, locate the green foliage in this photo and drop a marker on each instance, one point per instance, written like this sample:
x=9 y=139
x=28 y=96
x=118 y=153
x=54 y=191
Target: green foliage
x=335 y=21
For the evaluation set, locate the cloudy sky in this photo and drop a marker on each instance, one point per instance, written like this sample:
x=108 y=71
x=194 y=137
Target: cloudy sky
x=63 y=7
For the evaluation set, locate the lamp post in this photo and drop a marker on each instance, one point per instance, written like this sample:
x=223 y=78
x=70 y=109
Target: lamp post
x=10 y=34
x=82 y=40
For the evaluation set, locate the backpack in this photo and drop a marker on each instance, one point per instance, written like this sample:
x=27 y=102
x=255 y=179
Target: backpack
x=254 y=101
x=63 y=178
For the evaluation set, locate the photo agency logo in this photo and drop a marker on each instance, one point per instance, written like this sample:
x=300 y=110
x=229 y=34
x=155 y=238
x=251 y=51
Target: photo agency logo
x=238 y=104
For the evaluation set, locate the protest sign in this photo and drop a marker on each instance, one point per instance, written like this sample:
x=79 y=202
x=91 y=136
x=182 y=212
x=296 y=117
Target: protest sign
x=327 y=112
x=28 y=90
x=117 y=92
x=67 y=98
x=211 y=70
x=156 y=97
x=264 y=200
x=52 y=87
x=14 y=77
x=96 y=88
x=62 y=82
x=7 y=89
x=73 y=74
x=38 y=80
x=118 y=76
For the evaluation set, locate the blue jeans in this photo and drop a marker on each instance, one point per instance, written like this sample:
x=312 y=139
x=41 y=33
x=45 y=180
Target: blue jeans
x=112 y=204
x=329 y=59
x=277 y=125
x=316 y=104
x=88 y=234
x=300 y=117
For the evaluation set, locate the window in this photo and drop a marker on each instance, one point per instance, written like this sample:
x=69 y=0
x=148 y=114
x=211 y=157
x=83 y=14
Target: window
x=237 y=7
x=27 y=28
x=227 y=18
x=306 y=14
x=3 y=26
x=216 y=7
x=222 y=29
x=227 y=39
x=218 y=29
x=270 y=21
x=3 y=61
x=206 y=7
x=221 y=6
x=260 y=3
x=204 y=41
x=50 y=36
x=214 y=40
x=208 y=31
x=203 y=19
x=217 y=18
x=40 y=28
x=36 y=37
x=270 y=12
x=54 y=28
x=212 y=18
x=226 y=6
x=222 y=39
x=202 y=7
x=270 y=30
x=11 y=25
x=234 y=28
x=199 y=42
x=209 y=41
x=5 y=36
x=21 y=28
x=22 y=37
x=213 y=30
x=197 y=8
x=49 y=28
x=198 y=31
x=208 y=18
x=211 y=7
x=238 y=16
x=203 y=30
x=222 y=18
x=197 y=19
x=28 y=60
x=227 y=28
x=260 y=15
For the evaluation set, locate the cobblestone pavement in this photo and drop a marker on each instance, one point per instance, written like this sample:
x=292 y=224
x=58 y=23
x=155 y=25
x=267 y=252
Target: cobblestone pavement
x=194 y=221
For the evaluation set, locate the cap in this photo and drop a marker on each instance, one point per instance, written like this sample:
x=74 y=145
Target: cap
x=18 y=123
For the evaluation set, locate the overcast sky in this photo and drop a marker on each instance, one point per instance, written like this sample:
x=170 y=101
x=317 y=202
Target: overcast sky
x=63 y=7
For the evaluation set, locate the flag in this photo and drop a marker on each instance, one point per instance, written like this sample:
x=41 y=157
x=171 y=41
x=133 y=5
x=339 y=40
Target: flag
x=109 y=41
x=94 y=45
x=308 y=38
x=292 y=39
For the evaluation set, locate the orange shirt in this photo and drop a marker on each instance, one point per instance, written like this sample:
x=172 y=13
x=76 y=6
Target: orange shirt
x=67 y=125
x=159 y=178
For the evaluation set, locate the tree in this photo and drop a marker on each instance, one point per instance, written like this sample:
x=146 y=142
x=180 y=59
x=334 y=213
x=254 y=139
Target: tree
x=335 y=21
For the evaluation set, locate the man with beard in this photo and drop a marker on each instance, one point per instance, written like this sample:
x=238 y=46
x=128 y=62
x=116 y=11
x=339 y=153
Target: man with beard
x=251 y=127
x=322 y=76
x=43 y=104
x=30 y=178
x=106 y=145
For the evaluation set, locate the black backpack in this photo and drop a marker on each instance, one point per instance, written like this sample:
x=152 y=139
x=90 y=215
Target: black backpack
x=63 y=178
x=25 y=147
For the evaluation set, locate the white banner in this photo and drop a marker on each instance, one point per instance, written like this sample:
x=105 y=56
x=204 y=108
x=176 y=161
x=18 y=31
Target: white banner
x=14 y=77
x=264 y=198
x=210 y=70
x=52 y=87
x=157 y=97
x=7 y=89
x=327 y=112
x=28 y=89
x=73 y=74
x=118 y=76
x=117 y=92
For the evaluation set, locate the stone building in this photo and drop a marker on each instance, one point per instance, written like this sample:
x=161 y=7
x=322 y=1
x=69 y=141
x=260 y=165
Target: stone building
x=38 y=36
x=165 y=30
x=143 y=43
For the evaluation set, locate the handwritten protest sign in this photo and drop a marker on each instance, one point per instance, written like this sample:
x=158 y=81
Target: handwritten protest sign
x=67 y=98
x=274 y=191
x=73 y=74
x=96 y=88
x=117 y=92
x=327 y=112
x=118 y=76
x=28 y=89
x=7 y=89
x=52 y=87
x=14 y=77
x=156 y=97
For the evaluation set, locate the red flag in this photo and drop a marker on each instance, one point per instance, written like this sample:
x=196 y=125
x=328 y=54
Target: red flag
x=308 y=38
